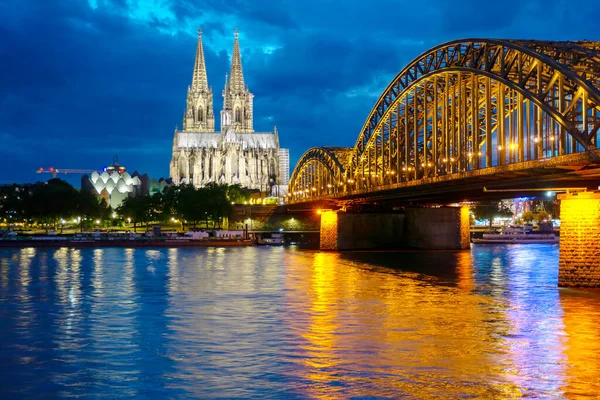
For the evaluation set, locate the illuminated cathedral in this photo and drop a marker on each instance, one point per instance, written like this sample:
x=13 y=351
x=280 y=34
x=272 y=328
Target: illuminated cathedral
x=236 y=154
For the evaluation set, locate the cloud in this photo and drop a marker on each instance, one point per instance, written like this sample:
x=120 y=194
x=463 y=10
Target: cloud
x=85 y=79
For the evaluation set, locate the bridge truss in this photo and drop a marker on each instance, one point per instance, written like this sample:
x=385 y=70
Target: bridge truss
x=465 y=107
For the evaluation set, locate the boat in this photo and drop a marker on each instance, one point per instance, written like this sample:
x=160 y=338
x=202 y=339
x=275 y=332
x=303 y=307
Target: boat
x=274 y=239
x=120 y=240
x=516 y=235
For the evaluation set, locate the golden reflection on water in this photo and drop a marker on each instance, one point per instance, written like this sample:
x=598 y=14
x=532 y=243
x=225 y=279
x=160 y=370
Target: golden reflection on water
x=487 y=323
x=582 y=345
x=389 y=334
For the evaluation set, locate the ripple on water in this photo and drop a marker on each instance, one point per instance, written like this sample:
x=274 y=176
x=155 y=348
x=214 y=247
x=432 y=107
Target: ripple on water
x=275 y=322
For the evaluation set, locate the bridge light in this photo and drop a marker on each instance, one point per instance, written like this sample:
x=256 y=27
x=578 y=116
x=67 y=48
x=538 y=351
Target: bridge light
x=479 y=153
x=329 y=185
x=536 y=139
x=451 y=159
x=422 y=164
x=499 y=147
x=444 y=160
x=551 y=137
x=429 y=164
x=470 y=155
x=403 y=168
x=314 y=189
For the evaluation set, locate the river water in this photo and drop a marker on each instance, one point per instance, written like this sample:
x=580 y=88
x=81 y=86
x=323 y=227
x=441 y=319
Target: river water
x=290 y=323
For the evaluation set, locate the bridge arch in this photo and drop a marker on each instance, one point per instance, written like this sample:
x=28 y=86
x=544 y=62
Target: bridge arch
x=439 y=92
x=320 y=171
x=478 y=103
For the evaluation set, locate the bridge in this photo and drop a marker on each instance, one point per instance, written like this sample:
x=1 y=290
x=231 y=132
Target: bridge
x=469 y=114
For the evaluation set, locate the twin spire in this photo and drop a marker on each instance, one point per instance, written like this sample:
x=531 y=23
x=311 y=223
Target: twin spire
x=237 y=99
x=235 y=80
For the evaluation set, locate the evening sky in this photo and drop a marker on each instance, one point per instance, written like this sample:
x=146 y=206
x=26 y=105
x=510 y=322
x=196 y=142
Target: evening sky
x=85 y=79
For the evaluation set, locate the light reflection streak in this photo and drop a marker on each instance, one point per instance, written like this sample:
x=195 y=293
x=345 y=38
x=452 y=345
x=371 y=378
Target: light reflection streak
x=582 y=342
x=260 y=322
x=97 y=272
x=373 y=330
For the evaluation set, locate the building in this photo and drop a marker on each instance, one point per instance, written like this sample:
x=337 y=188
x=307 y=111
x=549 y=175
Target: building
x=236 y=154
x=115 y=184
x=284 y=166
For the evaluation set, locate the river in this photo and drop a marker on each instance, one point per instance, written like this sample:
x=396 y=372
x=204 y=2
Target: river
x=290 y=323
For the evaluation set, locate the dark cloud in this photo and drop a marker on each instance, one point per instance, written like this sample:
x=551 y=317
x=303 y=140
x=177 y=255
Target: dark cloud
x=85 y=79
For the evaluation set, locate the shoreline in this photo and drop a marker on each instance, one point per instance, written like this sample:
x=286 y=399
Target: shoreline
x=123 y=243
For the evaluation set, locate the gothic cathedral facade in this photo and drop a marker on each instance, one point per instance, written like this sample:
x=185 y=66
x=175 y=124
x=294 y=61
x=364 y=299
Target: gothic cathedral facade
x=236 y=154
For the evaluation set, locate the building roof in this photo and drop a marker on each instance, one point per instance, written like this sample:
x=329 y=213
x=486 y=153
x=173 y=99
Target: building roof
x=256 y=140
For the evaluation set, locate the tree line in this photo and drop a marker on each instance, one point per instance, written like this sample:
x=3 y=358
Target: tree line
x=48 y=203
x=541 y=211
x=188 y=205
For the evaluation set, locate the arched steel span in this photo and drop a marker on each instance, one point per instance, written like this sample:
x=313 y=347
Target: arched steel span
x=473 y=104
x=322 y=167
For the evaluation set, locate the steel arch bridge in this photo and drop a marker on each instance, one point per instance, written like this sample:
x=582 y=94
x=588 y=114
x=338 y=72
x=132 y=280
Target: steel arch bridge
x=467 y=108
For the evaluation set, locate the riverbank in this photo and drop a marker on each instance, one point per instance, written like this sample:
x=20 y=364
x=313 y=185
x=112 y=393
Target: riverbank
x=65 y=242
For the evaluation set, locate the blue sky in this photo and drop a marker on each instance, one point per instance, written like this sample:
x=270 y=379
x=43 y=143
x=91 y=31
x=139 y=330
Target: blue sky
x=85 y=79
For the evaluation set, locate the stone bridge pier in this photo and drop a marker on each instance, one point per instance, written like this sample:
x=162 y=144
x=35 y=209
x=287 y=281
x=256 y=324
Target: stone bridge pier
x=579 y=254
x=445 y=228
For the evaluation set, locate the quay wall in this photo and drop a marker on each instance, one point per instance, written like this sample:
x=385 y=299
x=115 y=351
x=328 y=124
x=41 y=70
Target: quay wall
x=579 y=255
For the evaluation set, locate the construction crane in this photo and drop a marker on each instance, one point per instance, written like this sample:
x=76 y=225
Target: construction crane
x=55 y=171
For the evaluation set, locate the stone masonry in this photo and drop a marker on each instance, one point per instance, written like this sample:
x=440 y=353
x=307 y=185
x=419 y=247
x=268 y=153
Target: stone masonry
x=579 y=255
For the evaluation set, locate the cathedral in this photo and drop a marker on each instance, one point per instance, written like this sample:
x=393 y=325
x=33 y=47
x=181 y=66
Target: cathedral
x=236 y=154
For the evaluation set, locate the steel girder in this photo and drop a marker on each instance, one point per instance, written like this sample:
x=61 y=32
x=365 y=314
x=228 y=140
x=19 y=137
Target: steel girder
x=319 y=171
x=517 y=64
x=479 y=103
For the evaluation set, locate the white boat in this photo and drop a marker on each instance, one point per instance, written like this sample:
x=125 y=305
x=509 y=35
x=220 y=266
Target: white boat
x=274 y=239
x=516 y=235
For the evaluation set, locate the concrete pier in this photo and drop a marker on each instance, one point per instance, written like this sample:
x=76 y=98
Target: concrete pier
x=444 y=228
x=579 y=254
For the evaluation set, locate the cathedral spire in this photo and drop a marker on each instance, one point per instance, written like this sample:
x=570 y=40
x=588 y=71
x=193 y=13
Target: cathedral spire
x=237 y=99
x=199 y=115
x=199 y=79
x=236 y=75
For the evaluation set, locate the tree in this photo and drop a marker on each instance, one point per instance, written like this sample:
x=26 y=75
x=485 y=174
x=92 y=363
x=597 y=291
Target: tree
x=138 y=209
x=542 y=216
x=237 y=194
x=527 y=216
x=90 y=206
x=490 y=211
x=52 y=200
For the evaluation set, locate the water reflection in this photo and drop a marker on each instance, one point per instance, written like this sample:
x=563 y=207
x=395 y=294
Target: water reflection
x=275 y=322
x=581 y=344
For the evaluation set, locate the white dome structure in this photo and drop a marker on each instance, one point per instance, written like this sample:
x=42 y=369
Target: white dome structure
x=116 y=184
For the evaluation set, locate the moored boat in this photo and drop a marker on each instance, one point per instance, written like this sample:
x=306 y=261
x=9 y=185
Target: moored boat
x=516 y=236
